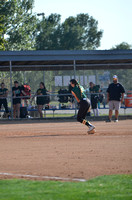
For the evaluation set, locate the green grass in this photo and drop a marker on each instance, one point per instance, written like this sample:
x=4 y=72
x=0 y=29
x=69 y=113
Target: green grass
x=115 y=187
x=60 y=115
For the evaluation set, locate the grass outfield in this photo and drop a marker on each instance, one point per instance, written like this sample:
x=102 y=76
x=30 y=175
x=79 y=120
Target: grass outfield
x=114 y=187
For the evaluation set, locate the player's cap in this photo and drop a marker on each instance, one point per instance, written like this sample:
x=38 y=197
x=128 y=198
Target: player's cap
x=115 y=77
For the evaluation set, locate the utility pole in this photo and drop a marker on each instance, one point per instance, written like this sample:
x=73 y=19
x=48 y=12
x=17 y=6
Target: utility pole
x=42 y=14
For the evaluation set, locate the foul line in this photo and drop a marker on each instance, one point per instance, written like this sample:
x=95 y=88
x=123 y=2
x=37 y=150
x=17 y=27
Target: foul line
x=44 y=177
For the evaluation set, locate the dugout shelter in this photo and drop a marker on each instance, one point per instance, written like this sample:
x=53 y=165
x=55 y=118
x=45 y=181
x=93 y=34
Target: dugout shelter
x=53 y=60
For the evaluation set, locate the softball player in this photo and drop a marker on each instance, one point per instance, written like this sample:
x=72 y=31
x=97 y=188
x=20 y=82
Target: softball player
x=78 y=93
x=16 y=91
x=41 y=100
x=3 y=98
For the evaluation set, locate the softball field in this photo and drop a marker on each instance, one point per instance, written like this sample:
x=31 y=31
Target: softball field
x=64 y=151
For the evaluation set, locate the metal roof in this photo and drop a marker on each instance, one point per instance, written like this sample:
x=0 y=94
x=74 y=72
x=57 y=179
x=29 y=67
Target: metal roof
x=64 y=59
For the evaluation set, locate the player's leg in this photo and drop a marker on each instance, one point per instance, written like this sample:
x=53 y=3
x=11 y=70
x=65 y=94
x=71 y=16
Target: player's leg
x=111 y=106
x=18 y=110
x=117 y=106
x=40 y=107
x=91 y=126
x=93 y=105
x=84 y=107
x=97 y=112
x=110 y=114
x=6 y=107
x=82 y=112
x=14 y=111
x=116 y=115
x=0 y=104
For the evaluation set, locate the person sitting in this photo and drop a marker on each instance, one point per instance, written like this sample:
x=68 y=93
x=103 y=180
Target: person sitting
x=3 y=98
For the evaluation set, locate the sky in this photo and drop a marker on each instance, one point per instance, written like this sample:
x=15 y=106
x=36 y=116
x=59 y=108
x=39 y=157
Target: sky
x=114 y=16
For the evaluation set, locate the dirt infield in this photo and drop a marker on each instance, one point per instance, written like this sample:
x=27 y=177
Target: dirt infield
x=65 y=150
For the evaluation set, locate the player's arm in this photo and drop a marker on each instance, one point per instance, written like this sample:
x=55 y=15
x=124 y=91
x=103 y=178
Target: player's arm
x=33 y=97
x=6 y=94
x=108 y=93
x=122 y=94
x=14 y=94
x=108 y=97
x=22 y=91
x=78 y=100
x=122 y=97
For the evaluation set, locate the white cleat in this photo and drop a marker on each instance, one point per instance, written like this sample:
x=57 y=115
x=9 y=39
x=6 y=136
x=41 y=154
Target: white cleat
x=91 y=130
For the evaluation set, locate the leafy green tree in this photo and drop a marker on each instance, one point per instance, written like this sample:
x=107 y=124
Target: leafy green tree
x=20 y=24
x=48 y=34
x=2 y=40
x=124 y=75
x=80 y=32
x=123 y=45
x=2 y=27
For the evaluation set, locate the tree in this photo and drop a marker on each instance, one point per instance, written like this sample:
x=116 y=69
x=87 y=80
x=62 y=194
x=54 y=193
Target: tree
x=80 y=32
x=123 y=45
x=2 y=27
x=20 y=24
x=124 y=75
x=47 y=29
x=2 y=40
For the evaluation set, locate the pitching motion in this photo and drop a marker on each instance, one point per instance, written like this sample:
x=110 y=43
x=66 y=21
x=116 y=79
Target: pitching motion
x=84 y=103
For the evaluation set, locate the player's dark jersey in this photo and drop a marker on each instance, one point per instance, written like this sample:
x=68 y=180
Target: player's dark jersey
x=115 y=91
x=41 y=100
x=79 y=93
x=94 y=89
x=3 y=91
x=17 y=91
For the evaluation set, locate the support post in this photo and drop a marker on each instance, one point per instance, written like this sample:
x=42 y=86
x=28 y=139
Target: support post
x=11 y=90
x=96 y=77
x=83 y=78
x=44 y=77
x=24 y=77
x=74 y=64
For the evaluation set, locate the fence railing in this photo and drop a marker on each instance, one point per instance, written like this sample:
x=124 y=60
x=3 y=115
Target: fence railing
x=57 y=103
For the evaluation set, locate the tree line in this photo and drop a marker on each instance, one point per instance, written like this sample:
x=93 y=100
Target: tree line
x=25 y=31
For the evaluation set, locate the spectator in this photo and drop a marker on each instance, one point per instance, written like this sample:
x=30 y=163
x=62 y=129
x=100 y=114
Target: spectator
x=16 y=90
x=3 y=98
x=71 y=97
x=94 y=89
x=27 y=89
x=41 y=100
x=115 y=95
